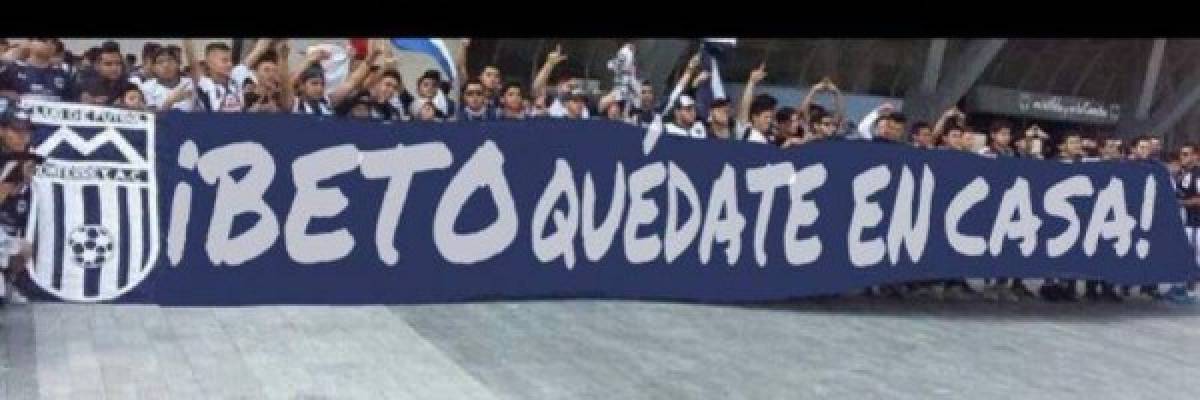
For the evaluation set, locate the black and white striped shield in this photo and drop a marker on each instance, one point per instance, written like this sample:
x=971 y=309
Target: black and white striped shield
x=93 y=217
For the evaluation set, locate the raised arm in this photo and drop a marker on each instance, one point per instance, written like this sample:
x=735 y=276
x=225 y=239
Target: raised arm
x=287 y=94
x=700 y=79
x=702 y=105
x=312 y=58
x=812 y=93
x=806 y=105
x=939 y=128
x=357 y=77
x=18 y=51
x=866 y=127
x=611 y=97
x=460 y=62
x=189 y=58
x=692 y=66
x=756 y=76
x=260 y=48
x=543 y=76
x=388 y=62
x=373 y=75
x=839 y=115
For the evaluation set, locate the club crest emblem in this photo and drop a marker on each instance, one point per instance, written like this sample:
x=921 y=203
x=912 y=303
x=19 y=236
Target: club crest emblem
x=93 y=219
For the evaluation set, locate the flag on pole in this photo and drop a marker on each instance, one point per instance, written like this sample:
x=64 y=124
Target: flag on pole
x=713 y=52
x=432 y=47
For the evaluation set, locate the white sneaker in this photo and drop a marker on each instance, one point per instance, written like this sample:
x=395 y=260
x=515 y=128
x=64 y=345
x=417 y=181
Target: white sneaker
x=15 y=296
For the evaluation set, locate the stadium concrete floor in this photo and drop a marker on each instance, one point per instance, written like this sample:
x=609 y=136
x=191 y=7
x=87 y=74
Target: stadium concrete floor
x=846 y=349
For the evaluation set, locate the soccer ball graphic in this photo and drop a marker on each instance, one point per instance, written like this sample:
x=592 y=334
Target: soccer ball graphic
x=90 y=246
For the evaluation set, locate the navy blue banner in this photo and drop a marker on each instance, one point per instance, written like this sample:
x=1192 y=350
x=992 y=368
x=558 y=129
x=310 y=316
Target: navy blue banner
x=266 y=209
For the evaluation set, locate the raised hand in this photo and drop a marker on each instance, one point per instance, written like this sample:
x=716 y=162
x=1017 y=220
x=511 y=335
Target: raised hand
x=953 y=112
x=694 y=62
x=320 y=54
x=387 y=48
x=390 y=62
x=374 y=48
x=821 y=85
x=281 y=48
x=1035 y=130
x=758 y=74
x=556 y=56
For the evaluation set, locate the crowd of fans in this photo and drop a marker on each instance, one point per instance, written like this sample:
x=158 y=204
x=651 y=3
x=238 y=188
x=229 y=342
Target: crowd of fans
x=189 y=78
x=175 y=78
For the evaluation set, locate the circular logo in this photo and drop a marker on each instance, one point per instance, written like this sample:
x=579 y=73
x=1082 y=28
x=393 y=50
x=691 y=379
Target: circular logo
x=91 y=246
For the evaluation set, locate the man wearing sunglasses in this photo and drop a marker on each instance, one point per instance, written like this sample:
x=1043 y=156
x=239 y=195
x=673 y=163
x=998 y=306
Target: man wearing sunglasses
x=475 y=104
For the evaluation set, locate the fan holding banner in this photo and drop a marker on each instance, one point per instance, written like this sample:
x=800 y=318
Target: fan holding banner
x=16 y=168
